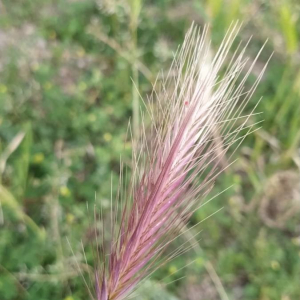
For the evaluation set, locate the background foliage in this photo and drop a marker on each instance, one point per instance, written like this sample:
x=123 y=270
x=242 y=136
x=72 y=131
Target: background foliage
x=66 y=95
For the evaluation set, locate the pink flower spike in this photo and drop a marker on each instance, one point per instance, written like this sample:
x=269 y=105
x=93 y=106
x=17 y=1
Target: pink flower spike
x=196 y=116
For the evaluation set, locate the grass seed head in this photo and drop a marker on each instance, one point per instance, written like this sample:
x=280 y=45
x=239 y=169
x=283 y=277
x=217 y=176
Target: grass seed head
x=196 y=116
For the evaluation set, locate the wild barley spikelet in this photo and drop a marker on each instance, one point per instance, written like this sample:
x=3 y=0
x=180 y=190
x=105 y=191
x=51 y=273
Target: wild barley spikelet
x=195 y=117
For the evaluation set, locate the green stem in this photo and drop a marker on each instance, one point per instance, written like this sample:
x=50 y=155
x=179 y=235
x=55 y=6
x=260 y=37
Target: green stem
x=7 y=199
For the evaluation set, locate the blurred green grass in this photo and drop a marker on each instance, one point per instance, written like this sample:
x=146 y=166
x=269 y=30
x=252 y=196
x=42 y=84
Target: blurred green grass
x=66 y=96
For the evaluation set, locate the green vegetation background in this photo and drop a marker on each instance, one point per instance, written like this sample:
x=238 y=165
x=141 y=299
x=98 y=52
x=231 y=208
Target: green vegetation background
x=66 y=96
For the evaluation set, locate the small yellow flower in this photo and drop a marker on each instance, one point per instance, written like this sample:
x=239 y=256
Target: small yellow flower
x=80 y=52
x=231 y=201
x=127 y=145
x=107 y=137
x=92 y=118
x=38 y=158
x=82 y=86
x=172 y=270
x=275 y=265
x=70 y=218
x=3 y=89
x=199 y=261
x=48 y=85
x=69 y=298
x=64 y=191
x=35 y=66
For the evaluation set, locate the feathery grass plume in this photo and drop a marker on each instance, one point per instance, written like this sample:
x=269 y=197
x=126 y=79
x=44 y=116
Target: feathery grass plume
x=178 y=159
